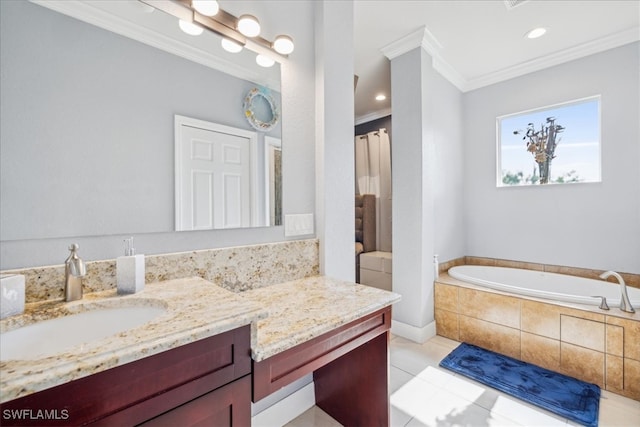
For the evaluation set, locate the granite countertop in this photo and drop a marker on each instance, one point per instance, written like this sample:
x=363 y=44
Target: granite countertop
x=195 y=309
x=303 y=309
x=281 y=317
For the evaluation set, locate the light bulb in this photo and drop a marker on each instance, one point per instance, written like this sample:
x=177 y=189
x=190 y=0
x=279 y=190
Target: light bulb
x=264 y=61
x=283 y=45
x=190 y=28
x=249 y=25
x=535 y=33
x=231 y=46
x=205 y=7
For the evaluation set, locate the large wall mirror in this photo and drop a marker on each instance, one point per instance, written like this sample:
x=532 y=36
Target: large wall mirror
x=87 y=135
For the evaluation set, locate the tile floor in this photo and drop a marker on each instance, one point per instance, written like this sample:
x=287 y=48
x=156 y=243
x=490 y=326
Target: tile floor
x=423 y=394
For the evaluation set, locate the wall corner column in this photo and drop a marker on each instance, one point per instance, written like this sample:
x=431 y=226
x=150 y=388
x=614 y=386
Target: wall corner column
x=413 y=192
x=334 y=138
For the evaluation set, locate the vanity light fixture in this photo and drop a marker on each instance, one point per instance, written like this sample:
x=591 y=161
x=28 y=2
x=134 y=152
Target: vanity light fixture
x=243 y=31
x=190 y=28
x=206 y=7
x=264 y=61
x=248 y=25
x=283 y=45
x=535 y=33
x=381 y=97
x=231 y=46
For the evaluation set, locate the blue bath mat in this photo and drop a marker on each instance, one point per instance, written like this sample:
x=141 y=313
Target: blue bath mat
x=569 y=397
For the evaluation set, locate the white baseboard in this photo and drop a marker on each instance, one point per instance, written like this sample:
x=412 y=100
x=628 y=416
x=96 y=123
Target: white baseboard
x=414 y=333
x=286 y=409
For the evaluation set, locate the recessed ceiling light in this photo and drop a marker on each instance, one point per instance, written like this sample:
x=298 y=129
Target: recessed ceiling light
x=380 y=97
x=535 y=33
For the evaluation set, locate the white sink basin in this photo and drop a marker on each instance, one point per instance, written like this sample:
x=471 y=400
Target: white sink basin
x=53 y=336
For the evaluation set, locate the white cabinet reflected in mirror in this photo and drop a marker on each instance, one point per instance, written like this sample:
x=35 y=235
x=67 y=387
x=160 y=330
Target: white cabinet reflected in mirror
x=87 y=134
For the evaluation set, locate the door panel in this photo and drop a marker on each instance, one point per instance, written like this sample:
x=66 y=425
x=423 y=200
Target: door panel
x=214 y=182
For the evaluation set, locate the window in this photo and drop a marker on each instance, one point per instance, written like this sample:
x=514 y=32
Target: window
x=558 y=144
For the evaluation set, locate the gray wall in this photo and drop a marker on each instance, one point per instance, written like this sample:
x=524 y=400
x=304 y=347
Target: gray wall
x=447 y=169
x=583 y=225
x=117 y=136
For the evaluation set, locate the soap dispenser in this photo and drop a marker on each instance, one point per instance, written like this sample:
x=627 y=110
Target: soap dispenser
x=130 y=270
x=12 y=295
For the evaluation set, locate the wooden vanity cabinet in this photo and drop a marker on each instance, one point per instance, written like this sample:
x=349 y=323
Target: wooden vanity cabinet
x=350 y=370
x=207 y=382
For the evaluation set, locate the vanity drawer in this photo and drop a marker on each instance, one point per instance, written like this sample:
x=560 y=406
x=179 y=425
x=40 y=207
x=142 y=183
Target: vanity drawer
x=140 y=390
x=226 y=406
x=271 y=374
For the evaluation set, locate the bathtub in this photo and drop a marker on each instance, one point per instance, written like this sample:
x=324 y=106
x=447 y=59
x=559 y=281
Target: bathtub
x=551 y=286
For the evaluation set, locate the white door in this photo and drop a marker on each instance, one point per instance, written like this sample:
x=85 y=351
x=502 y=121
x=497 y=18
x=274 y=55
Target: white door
x=214 y=178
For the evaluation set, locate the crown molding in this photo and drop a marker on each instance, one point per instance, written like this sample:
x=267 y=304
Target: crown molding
x=423 y=38
x=369 y=117
x=85 y=12
x=590 y=48
x=449 y=73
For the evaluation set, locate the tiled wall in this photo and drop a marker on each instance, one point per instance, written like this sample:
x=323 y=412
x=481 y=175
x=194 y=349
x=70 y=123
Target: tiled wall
x=599 y=348
x=631 y=279
x=236 y=269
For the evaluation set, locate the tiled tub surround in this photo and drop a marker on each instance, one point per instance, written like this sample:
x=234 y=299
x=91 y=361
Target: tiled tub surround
x=235 y=269
x=195 y=309
x=581 y=341
x=631 y=279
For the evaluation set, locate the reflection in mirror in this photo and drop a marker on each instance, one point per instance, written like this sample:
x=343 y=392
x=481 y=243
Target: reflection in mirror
x=273 y=180
x=217 y=181
x=87 y=136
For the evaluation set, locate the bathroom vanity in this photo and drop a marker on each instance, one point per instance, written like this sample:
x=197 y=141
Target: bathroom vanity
x=209 y=355
x=337 y=330
x=193 y=359
x=207 y=381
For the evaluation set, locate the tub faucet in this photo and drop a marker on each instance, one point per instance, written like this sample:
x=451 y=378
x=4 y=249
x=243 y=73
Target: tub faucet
x=74 y=271
x=625 y=304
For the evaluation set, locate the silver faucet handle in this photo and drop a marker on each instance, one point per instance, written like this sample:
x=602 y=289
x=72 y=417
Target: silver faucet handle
x=76 y=265
x=603 y=302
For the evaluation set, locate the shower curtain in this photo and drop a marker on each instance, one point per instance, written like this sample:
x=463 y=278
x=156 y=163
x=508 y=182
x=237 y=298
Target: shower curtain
x=373 y=176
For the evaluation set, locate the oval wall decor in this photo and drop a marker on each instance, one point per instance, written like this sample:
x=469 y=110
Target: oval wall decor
x=250 y=112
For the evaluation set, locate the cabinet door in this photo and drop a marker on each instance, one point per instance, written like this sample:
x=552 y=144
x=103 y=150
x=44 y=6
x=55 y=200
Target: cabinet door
x=227 y=406
x=138 y=391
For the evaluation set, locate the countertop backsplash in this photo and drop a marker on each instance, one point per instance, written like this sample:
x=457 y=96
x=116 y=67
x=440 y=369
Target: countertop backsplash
x=236 y=269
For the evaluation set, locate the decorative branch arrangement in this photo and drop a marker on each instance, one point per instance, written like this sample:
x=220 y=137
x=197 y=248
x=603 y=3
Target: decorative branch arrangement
x=542 y=145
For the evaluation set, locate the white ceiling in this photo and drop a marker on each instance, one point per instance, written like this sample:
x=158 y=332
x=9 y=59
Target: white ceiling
x=475 y=43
